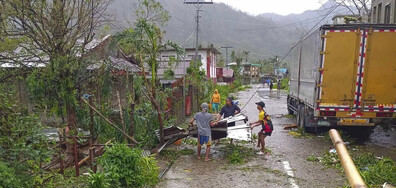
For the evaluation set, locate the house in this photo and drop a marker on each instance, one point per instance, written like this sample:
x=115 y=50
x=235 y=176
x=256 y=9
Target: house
x=346 y=19
x=280 y=73
x=207 y=56
x=251 y=72
x=383 y=11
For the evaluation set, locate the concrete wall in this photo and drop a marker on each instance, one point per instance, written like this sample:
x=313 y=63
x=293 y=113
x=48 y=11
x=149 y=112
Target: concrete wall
x=204 y=60
x=378 y=16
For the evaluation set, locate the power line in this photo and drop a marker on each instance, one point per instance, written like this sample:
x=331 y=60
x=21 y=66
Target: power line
x=309 y=31
x=198 y=5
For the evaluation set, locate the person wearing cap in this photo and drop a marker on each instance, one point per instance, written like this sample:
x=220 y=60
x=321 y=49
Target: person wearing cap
x=265 y=130
x=204 y=122
x=215 y=101
x=229 y=110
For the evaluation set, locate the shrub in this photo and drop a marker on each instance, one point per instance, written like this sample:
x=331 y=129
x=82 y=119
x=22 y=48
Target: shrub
x=98 y=180
x=128 y=168
x=8 y=178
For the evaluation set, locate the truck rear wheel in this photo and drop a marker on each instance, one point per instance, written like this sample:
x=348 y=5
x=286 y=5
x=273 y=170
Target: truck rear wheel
x=291 y=112
x=303 y=120
x=300 y=116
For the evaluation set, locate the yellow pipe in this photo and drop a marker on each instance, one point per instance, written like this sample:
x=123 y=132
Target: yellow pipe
x=354 y=178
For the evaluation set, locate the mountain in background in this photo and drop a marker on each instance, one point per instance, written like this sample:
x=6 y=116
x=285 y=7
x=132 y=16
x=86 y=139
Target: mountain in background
x=265 y=35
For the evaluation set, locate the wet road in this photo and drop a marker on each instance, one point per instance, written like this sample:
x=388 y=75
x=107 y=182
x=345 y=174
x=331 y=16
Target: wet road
x=285 y=167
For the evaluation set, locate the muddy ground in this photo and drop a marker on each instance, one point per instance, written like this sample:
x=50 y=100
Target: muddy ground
x=286 y=166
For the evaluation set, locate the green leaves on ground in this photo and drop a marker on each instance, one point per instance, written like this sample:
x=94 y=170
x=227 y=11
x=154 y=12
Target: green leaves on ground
x=375 y=171
x=174 y=154
x=237 y=154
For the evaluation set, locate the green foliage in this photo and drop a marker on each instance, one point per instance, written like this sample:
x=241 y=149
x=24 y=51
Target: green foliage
x=52 y=179
x=169 y=74
x=128 y=168
x=284 y=84
x=55 y=85
x=237 y=154
x=8 y=177
x=224 y=91
x=23 y=146
x=98 y=180
x=152 y=11
x=146 y=122
x=374 y=171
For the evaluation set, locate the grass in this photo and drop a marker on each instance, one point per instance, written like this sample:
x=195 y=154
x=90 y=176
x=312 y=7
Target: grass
x=374 y=171
x=237 y=154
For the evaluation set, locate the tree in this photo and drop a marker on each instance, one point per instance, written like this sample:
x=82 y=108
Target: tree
x=152 y=11
x=56 y=33
x=246 y=54
x=221 y=62
x=360 y=8
x=142 y=44
x=237 y=57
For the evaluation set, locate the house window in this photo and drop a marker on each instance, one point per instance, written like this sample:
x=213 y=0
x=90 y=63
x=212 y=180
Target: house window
x=375 y=15
x=387 y=14
x=379 y=15
x=192 y=57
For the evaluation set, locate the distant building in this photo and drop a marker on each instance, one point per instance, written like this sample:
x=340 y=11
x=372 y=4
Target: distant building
x=346 y=19
x=208 y=57
x=280 y=73
x=383 y=11
x=251 y=72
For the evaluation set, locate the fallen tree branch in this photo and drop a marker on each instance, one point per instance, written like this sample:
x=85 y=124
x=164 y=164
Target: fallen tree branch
x=88 y=157
x=110 y=122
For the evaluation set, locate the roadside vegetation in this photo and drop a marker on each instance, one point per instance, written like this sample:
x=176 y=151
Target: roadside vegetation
x=374 y=170
x=122 y=166
x=237 y=154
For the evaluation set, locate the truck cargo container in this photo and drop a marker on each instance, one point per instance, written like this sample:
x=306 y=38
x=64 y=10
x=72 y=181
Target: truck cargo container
x=344 y=75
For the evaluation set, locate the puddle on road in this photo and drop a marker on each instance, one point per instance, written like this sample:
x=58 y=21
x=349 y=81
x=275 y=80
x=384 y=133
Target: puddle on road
x=274 y=94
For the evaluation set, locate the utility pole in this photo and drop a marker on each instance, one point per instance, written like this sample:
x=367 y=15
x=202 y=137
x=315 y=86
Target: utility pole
x=198 y=5
x=226 y=47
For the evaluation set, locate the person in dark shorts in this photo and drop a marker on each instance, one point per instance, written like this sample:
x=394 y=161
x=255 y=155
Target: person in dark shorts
x=271 y=85
x=265 y=128
x=230 y=109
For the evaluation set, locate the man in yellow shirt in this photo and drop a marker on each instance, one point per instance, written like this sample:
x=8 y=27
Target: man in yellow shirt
x=216 y=101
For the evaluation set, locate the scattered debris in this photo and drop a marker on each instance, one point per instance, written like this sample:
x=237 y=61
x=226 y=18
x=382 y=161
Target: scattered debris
x=333 y=151
x=290 y=126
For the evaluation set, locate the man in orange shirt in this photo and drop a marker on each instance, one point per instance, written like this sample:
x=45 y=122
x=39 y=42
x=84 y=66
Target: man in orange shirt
x=216 y=101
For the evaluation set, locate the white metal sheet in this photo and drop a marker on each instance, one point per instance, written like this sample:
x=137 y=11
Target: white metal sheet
x=239 y=132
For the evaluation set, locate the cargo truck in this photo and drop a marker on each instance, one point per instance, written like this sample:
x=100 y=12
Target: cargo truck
x=344 y=75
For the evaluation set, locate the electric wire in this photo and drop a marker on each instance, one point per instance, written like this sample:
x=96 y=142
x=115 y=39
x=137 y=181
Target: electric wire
x=309 y=31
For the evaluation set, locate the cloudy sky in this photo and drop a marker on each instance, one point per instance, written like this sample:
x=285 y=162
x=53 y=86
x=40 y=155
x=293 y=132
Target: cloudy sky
x=283 y=7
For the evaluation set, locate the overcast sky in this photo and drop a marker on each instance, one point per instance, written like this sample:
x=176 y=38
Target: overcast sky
x=283 y=7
